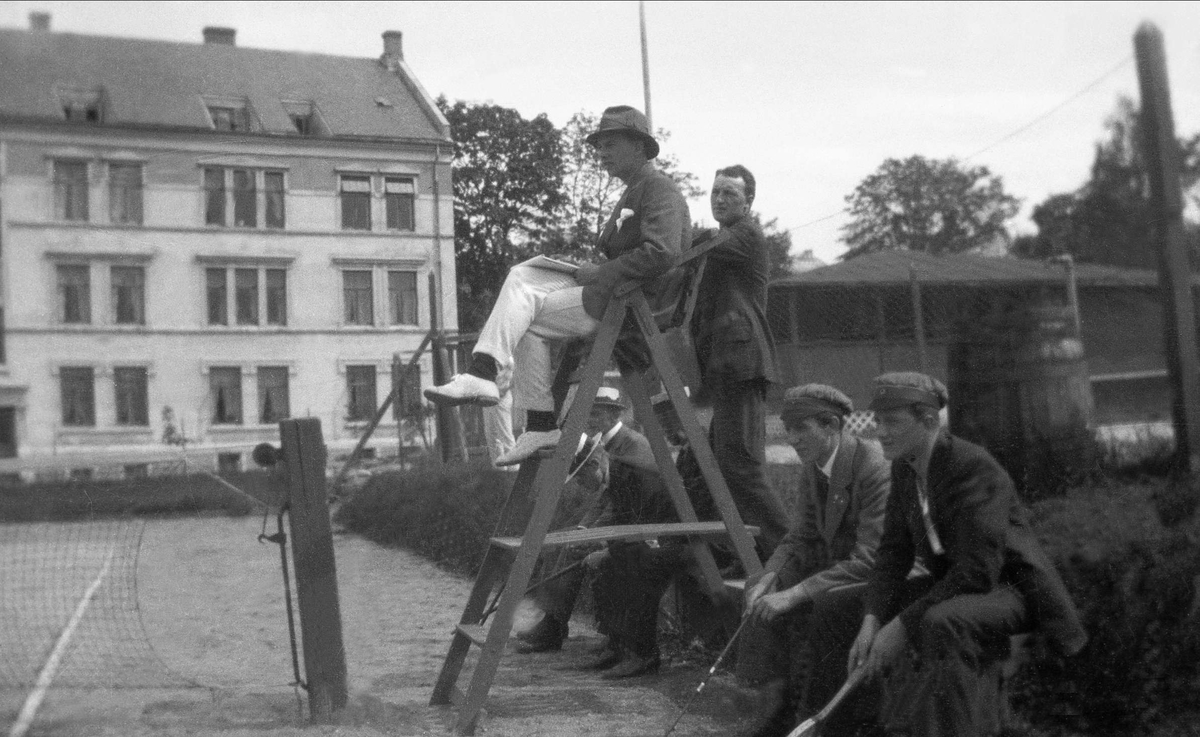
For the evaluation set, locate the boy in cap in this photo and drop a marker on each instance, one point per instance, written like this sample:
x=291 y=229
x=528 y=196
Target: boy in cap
x=953 y=506
x=647 y=230
x=821 y=566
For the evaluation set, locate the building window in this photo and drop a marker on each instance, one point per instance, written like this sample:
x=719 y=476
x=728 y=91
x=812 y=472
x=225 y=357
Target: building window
x=214 y=196
x=71 y=190
x=248 y=208
x=273 y=216
x=273 y=394
x=74 y=294
x=356 y=202
x=245 y=286
x=402 y=297
x=128 y=295
x=81 y=104
x=276 y=296
x=131 y=399
x=360 y=389
x=229 y=462
x=225 y=388
x=78 y=396
x=218 y=296
x=399 y=197
x=230 y=119
x=125 y=193
x=303 y=123
x=410 y=392
x=245 y=199
x=356 y=288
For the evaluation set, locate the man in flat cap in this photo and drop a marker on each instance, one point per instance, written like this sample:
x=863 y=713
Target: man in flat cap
x=952 y=505
x=821 y=567
x=647 y=230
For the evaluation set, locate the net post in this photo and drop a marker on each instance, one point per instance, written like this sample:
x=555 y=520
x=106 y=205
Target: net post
x=316 y=574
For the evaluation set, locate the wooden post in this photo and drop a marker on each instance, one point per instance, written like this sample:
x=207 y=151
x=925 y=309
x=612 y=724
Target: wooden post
x=645 y=64
x=1073 y=293
x=448 y=423
x=398 y=404
x=918 y=318
x=881 y=328
x=1174 y=271
x=316 y=574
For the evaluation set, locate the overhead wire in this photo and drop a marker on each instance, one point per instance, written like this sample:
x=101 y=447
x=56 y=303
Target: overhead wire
x=1011 y=135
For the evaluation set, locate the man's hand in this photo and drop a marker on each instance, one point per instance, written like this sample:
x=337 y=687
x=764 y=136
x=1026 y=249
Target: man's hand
x=862 y=643
x=759 y=588
x=768 y=607
x=587 y=274
x=889 y=644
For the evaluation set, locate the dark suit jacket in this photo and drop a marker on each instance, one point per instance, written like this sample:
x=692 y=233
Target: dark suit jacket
x=729 y=326
x=645 y=245
x=986 y=538
x=636 y=493
x=834 y=545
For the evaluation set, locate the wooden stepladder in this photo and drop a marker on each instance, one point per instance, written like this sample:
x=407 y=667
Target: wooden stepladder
x=509 y=561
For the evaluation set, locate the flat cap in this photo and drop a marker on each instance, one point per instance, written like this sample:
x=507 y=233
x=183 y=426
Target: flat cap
x=906 y=388
x=809 y=400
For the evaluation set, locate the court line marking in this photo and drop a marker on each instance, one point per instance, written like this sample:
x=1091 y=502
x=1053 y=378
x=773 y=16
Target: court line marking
x=34 y=701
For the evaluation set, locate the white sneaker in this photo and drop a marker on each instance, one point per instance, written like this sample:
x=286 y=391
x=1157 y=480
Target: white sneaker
x=528 y=443
x=465 y=389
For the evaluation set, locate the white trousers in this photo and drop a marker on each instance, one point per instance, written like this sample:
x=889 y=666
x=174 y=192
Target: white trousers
x=535 y=306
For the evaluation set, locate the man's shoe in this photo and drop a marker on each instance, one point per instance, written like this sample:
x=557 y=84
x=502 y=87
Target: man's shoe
x=546 y=636
x=465 y=389
x=604 y=660
x=528 y=443
x=633 y=665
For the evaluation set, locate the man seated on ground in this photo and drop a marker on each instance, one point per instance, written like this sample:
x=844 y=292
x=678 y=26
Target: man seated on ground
x=825 y=559
x=954 y=506
x=646 y=232
x=631 y=492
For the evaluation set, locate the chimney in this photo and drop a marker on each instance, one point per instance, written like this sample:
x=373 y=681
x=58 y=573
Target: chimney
x=39 y=20
x=215 y=35
x=393 y=49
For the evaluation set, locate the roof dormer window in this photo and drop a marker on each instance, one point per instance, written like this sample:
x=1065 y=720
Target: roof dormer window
x=304 y=117
x=81 y=104
x=230 y=115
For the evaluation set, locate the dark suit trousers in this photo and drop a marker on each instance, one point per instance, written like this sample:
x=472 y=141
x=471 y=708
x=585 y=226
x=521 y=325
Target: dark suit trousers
x=738 y=437
x=628 y=587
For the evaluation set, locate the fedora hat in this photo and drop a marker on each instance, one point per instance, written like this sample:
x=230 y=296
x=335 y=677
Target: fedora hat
x=628 y=120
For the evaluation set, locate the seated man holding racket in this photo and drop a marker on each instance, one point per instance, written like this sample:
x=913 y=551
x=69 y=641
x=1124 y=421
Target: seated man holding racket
x=647 y=230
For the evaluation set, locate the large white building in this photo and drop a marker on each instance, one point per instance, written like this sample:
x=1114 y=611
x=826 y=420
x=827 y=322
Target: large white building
x=197 y=240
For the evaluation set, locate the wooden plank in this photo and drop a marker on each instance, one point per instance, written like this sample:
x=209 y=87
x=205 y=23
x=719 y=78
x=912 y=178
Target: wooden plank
x=476 y=633
x=627 y=533
x=742 y=542
x=1174 y=271
x=316 y=572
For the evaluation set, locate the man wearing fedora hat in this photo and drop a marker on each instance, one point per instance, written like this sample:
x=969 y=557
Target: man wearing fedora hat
x=647 y=230
x=942 y=635
x=633 y=492
x=827 y=555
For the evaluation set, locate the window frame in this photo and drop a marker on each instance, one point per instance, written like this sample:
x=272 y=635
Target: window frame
x=67 y=207
x=266 y=391
x=356 y=401
x=138 y=294
x=84 y=392
x=230 y=201
x=137 y=415
x=405 y=203
x=395 y=311
x=85 y=302
x=124 y=207
x=344 y=198
x=216 y=418
x=349 y=319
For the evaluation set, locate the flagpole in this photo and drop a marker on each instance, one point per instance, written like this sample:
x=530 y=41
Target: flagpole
x=645 y=63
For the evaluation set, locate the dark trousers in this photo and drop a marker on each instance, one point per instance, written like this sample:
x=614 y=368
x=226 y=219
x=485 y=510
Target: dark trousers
x=949 y=683
x=738 y=435
x=628 y=586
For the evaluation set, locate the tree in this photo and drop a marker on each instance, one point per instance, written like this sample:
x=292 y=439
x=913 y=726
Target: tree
x=1108 y=219
x=507 y=186
x=590 y=193
x=931 y=205
x=779 y=242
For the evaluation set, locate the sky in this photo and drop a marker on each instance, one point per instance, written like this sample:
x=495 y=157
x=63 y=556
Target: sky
x=811 y=97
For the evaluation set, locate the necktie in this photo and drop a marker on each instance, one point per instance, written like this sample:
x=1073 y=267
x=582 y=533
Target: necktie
x=935 y=543
x=822 y=489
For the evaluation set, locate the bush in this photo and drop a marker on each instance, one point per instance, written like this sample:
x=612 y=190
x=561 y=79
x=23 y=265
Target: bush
x=1134 y=580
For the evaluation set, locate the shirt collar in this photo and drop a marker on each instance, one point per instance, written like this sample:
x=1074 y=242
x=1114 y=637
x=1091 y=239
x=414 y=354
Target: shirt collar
x=827 y=469
x=611 y=433
x=920 y=460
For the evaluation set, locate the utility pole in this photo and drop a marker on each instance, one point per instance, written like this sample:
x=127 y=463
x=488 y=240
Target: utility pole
x=645 y=64
x=1174 y=271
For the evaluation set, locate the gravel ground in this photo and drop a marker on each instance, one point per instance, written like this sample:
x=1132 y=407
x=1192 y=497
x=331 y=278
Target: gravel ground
x=212 y=604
